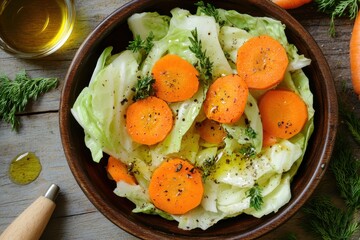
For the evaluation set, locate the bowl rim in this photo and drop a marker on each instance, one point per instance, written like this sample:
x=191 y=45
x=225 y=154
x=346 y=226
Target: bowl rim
x=289 y=209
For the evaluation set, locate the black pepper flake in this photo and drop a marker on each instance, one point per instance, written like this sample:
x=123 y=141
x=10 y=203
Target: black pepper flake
x=125 y=100
x=247 y=122
x=178 y=167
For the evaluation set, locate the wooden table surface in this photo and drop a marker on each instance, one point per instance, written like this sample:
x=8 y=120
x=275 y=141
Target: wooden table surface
x=75 y=217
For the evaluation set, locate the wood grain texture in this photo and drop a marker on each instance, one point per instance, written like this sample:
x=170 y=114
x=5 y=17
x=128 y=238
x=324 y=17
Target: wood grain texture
x=75 y=217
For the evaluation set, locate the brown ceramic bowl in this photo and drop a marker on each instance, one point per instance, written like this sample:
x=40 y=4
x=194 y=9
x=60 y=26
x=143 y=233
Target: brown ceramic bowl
x=92 y=177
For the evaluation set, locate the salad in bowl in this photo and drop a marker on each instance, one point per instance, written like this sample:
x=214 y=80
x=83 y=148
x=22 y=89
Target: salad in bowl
x=203 y=117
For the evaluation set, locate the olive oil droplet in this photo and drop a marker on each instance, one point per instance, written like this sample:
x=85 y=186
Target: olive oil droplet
x=25 y=168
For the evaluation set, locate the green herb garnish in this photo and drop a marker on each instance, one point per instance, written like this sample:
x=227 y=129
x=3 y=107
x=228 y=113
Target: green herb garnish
x=256 y=199
x=15 y=94
x=204 y=66
x=143 y=88
x=323 y=218
x=208 y=166
x=346 y=169
x=344 y=164
x=338 y=8
x=209 y=10
x=248 y=150
x=250 y=132
x=138 y=44
x=328 y=221
x=352 y=122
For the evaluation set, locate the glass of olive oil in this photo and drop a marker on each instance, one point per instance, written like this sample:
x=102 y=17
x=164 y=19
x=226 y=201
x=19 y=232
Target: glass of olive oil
x=35 y=28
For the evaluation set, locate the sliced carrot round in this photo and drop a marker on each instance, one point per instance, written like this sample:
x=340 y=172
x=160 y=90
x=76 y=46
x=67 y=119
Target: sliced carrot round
x=283 y=113
x=119 y=171
x=226 y=99
x=290 y=4
x=211 y=131
x=148 y=121
x=175 y=78
x=176 y=186
x=262 y=62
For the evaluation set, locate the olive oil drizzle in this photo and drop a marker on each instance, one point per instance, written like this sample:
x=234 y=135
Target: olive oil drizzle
x=24 y=168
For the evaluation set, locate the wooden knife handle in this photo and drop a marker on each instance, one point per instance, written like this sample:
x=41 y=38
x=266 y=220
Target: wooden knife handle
x=30 y=224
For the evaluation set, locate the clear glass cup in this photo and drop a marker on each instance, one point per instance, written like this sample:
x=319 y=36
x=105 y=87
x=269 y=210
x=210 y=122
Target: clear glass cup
x=35 y=28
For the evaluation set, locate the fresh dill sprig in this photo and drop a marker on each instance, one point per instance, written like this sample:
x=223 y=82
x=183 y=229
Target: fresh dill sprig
x=346 y=168
x=149 y=43
x=323 y=218
x=209 y=10
x=15 y=94
x=208 y=166
x=205 y=66
x=338 y=8
x=344 y=164
x=248 y=150
x=328 y=221
x=138 y=44
x=351 y=121
x=143 y=88
x=256 y=199
x=250 y=132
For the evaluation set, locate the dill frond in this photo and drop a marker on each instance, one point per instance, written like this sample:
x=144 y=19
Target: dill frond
x=327 y=221
x=209 y=10
x=248 y=151
x=143 y=88
x=138 y=44
x=15 y=94
x=208 y=167
x=250 y=132
x=256 y=199
x=338 y=8
x=352 y=122
x=346 y=168
x=205 y=66
x=323 y=218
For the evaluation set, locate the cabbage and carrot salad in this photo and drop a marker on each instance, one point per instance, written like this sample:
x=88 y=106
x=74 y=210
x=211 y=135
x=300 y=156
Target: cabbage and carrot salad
x=203 y=117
